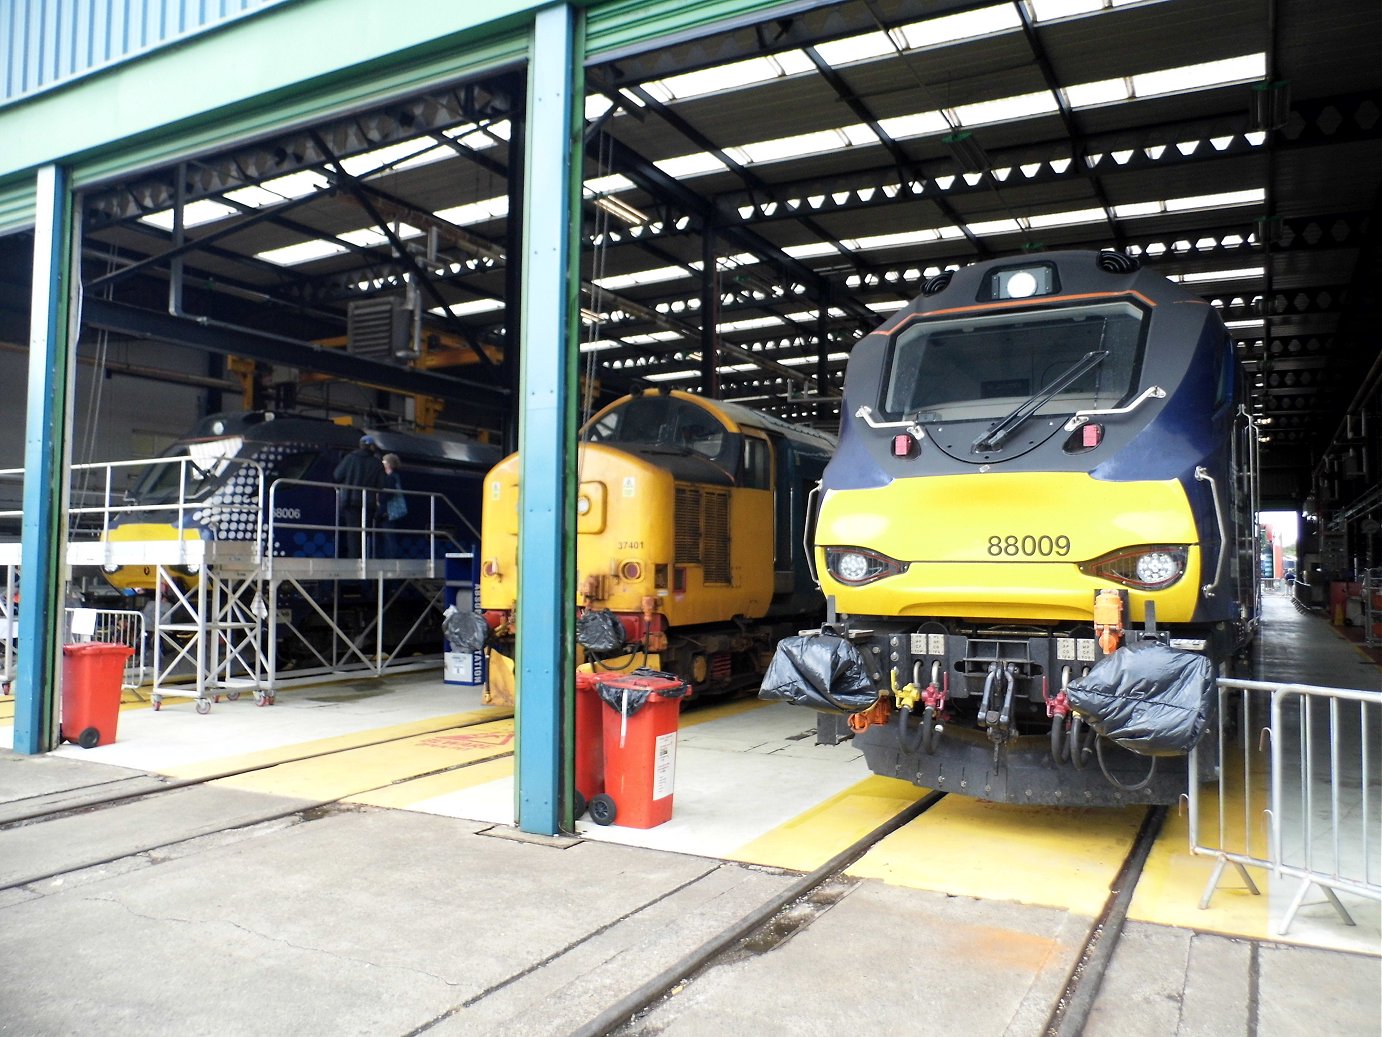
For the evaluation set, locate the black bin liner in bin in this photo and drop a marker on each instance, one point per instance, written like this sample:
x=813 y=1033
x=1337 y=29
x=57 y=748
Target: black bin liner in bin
x=822 y=671
x=1148 y=697
x=627 y=693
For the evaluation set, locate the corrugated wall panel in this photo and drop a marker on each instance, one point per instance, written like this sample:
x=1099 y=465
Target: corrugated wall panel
x=47 y=42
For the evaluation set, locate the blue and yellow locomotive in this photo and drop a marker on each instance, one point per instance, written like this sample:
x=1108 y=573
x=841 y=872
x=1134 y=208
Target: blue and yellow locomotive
x=690 y=554
x=1036 y=455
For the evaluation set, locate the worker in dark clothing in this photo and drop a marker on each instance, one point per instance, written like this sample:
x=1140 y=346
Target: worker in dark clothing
x=360 y=471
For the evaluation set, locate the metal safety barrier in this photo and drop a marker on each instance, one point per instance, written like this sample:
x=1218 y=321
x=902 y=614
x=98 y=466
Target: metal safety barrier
x=1297 y=791
x=117 y=627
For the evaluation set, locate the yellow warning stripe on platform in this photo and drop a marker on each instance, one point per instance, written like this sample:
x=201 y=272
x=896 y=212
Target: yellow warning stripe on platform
x=816 y=835
x=408 y=794
x=1063 y=857
x=343 y=774
x=286 y=753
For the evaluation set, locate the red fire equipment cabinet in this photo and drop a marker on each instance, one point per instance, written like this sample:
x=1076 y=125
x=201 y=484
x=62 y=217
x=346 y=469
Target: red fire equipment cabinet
x=590 y=742
x=91 y=674
x=640 y=735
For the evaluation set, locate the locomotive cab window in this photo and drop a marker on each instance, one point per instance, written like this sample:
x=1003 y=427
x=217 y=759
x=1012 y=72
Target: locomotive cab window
x=979 y=367
x=666 y=424
x=757 y=470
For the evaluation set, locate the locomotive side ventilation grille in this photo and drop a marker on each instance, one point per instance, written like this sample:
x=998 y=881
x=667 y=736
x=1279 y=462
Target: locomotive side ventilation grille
x=688 y=518
x=702 y=531
x=715 y=522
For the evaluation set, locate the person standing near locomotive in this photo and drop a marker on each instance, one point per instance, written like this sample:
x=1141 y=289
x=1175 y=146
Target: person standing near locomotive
x=393 y=506
x=360 y=471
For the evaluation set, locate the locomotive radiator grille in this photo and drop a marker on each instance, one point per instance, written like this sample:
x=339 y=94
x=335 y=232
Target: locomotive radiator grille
x=688 y=522
x=702 y=531
x=715 y=522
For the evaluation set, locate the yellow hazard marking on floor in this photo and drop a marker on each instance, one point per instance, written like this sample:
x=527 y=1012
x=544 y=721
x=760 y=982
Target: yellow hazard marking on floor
x=355 y=771
x=704 y=714
x=1063 y=857
x=1174 y=879
x=285 y=753
x=816 y=835
x=410 y=793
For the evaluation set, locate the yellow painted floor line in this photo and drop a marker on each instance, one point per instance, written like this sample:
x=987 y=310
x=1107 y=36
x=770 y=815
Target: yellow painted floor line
x=1173 y=882
x=705 y=714
x=406 y=794
x=374 y=766
x=283 y=753
x=1063 y=857
x=814 y=836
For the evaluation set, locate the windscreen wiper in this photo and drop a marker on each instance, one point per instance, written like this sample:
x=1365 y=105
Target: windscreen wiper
x=999 y=433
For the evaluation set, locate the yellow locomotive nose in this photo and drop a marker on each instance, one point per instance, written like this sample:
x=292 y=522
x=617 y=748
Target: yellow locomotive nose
x=126 y=568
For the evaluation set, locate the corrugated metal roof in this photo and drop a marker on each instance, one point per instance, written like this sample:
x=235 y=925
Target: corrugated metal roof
x=48 y=42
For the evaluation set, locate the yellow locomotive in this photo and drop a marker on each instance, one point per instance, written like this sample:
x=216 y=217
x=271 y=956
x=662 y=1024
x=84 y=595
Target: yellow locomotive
x=689 y=548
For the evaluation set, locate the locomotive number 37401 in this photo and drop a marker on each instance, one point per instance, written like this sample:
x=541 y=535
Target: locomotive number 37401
x=1029 y=546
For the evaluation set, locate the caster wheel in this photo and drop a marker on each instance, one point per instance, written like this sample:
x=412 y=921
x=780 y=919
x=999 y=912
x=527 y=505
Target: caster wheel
x=216 y=698
x=273 y=699
x=88 y=738
x=260 y=699
x=158 y=703
x=232 y=696
x=203 y=706
x=602 y=810
x=578 y=805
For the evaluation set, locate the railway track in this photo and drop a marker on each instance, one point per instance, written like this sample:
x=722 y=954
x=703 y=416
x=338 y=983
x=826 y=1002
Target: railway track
x=806 y=900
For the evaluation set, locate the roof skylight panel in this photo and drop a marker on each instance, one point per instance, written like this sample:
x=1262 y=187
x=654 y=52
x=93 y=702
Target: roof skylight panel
x=1071 y=218
x=867 y=47
x=697 y=164
x=469 y=309
x=476 y=212
x=1239 y=274
x=672 y=376
x=955 y=28
x=203 y=210
x=369 y=237
x=638 y=277
x=1246 y=68
x=1005 y=109
x=302 y=252
x=749 y=323
x=812 y=250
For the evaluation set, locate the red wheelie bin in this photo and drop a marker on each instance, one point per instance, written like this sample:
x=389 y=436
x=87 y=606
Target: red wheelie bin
x=91 y=674
x=590 y=742
x=640 y=734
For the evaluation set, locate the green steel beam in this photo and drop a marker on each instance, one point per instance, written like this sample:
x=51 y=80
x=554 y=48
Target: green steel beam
x=548 y=354
x=44 y=530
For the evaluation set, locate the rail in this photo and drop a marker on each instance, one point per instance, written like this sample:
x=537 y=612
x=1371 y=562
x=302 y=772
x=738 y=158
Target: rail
x=185 y=506
x=1296 y=793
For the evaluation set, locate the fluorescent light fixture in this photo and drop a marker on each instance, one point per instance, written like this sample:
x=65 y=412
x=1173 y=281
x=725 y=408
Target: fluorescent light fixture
x=1241 y=274
x=671 y=376
x=622 y=209
x=1240 y=325
x=302 y=252
x=203 y=210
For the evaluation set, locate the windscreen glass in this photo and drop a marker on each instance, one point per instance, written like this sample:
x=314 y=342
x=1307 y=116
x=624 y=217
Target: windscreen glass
x=979 y=368
x=666 y=424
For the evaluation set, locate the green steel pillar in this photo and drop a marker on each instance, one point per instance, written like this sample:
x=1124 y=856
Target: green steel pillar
x=547 y=378
x=44 y=529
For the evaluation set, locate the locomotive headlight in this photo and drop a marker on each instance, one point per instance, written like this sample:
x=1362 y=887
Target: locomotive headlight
x=856 y=566
x=1149 y=567
x=1158 y=567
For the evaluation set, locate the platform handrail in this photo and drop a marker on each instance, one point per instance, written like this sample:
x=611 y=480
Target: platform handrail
x=434 y=504
x=182 y=507
x=1300 y=771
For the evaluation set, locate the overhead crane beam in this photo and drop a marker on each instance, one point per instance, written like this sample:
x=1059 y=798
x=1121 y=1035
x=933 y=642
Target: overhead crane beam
x=201 y=334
